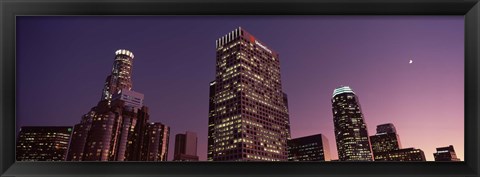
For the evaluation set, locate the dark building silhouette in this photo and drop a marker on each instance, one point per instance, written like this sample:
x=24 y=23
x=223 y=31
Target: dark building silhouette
x=43 y=143
x=309 y=148
x=385 y=140
x=407 y=154
x=386 y=128
x=115 y=129
x=248 y=118
x=186 y=147
x=350 y=128
x=446 y=154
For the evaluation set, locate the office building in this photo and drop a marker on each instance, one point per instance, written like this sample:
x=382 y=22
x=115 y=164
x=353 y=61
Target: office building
x=407 y=154
x=249 y=118
x=385 y=140
x=121 y=75
x=446 y=154
x=115 y=129
x=186 y=147
x=211 y=121
x=155 y=147
x=350 y=128
x=43 y=143
x=309 y=148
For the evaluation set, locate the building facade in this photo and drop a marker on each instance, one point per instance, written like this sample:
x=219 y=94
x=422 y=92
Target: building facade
x=385 y=140
x=155 y=146
x=248 y=119
x=211 y=121
x=407 y=154
x=186 y=147
x=445 y=154
x=351 y=133
x=309 y=148
x=43 y=143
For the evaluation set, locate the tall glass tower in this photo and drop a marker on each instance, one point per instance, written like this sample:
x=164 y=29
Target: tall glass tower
x=350 y=129
x=117 y=129
x=248 y=115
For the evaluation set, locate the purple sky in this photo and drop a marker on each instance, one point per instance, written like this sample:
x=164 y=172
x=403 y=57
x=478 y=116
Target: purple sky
x=62 y=63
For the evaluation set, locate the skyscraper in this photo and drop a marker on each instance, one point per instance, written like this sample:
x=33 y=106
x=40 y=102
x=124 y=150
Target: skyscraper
x=309 y=148
x=446 y=154
x=211 y=121
x=248 y=119
x=121 y=75
x=350 y=128
x=186 y=147
x=115 y=129
x=43 y=143
x=385 y=140
x=155 y=147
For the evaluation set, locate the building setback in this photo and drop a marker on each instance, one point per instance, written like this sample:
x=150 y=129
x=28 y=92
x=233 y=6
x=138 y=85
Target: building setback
x=43 y=143
x=385 y=140
x=248 y=115
x=407 y=154
x=350 y=128
x=309 y=148
x=445 y=154
x=115 y=129
x=186 y=147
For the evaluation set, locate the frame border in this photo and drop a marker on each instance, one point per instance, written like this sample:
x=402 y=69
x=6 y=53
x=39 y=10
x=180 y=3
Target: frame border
x=12 y=8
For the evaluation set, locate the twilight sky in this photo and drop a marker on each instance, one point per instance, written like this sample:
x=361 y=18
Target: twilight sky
x=62 y=63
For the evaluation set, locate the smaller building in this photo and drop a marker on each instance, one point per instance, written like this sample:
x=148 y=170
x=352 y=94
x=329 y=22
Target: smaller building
x=309 y=148
x=43 y=143
x=186 y=147
x=446 y=154
x=385 y=140
x=407 y=154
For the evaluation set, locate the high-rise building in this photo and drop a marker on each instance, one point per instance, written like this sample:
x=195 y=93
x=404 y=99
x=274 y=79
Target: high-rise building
x=155 y=147
x=385 y=140
x=309 y=148
x=446 y=154
x=211 y=121
x=407 y=154
x=350 y=128
x=186 y=147
x=121 y=75
x=43 y=143
x=248 y=116
x=115 y=129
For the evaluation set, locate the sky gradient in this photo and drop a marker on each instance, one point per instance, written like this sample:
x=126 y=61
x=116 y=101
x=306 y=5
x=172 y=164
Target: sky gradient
x=62 y=63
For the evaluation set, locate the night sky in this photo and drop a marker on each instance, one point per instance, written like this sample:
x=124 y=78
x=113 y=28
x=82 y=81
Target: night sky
x=62 y=63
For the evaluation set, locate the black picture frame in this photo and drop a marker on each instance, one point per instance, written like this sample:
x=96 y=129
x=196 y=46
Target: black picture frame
x=12 y=8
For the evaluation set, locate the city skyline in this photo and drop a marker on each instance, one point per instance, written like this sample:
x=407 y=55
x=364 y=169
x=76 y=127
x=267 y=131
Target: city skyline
x=142 y=82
